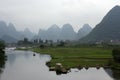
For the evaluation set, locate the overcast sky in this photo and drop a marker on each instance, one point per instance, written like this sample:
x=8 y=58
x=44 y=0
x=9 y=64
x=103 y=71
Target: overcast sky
x=36 y=14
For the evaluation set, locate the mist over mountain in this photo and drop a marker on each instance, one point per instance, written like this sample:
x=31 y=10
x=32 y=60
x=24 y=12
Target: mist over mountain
x=11 y=31
x=55 y=33
x=108 y=29
x=3 y=28
x=51 y=33
x=67 y=33
x=8 y=39
x=9 y=34
x=85 y=30
x=27 y=33
x=41 y=34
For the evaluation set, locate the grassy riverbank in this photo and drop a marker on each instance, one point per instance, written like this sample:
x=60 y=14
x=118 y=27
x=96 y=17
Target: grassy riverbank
x=74 y=57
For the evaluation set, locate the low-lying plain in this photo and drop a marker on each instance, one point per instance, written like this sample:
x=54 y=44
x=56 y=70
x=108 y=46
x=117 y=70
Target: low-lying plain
x=72 y=57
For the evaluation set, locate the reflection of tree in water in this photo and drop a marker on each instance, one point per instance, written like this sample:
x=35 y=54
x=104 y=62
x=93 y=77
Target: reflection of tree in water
x=113 y=73
x=116 y=74
x=109 y=72
x=2 y=60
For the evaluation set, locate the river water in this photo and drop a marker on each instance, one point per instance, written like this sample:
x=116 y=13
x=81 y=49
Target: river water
x=22 y=65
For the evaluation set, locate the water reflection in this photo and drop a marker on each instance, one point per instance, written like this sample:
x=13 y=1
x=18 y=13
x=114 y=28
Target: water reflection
x=113 y=73
x=116 y=74
x=22 y=65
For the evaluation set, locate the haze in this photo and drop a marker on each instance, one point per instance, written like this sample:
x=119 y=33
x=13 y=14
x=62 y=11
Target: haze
x=36 y=14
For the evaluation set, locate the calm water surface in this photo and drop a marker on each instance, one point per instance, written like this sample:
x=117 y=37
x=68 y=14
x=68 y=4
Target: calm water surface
x=22 y=65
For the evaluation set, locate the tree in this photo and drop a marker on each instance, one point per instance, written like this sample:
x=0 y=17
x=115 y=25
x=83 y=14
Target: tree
x=25 y=40
x=116 y=55
x=40 y=41
x=42 y=46
x=61 y=44
x=2 y=45
x=2 y=55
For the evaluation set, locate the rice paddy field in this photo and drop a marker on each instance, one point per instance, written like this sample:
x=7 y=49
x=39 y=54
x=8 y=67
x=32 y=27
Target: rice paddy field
x=72 y=57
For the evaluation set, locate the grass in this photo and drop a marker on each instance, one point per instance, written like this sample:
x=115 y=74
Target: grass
x=74 y=57
x=24 y=49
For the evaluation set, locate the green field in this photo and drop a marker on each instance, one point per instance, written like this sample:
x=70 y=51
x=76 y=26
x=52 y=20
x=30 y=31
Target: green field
x=74 y=57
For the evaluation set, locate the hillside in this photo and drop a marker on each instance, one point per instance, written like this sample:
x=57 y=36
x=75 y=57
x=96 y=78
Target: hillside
x=108 y=29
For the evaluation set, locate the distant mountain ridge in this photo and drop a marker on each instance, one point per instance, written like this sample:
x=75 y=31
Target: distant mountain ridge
x=8 y=39
x=27 y=33
x=65 y=33
x=84 y=31
x=51 y=33
x=9 y=34
x=108 y=29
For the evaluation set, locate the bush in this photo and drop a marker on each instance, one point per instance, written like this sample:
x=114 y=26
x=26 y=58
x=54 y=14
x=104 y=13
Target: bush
x=2 y=45
x=42 y=46
x=116 y=55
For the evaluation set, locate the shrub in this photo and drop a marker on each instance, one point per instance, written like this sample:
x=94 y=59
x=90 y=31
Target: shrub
x=2 y=45
x=116 y=55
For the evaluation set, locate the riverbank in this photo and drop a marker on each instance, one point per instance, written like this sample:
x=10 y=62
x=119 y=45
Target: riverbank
x=77 y=57
x=29 y=67
x=115 y=66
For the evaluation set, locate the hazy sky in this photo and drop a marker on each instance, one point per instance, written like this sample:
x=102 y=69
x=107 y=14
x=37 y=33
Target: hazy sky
x=36 y=14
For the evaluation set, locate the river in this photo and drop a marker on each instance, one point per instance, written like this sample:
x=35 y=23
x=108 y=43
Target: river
x=22 y=65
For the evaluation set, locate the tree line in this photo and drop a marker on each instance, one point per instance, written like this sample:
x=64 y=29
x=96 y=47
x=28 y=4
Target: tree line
x=2 y=55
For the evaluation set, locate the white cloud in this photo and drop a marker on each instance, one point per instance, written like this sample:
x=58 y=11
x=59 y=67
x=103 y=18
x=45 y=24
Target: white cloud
x=36 y=14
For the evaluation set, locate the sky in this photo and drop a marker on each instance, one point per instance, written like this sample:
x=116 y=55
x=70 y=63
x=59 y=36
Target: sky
x=41 y=14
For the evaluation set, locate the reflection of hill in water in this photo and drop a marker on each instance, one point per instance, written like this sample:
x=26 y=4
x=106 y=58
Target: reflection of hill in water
x=113 y=73
x=11 y=58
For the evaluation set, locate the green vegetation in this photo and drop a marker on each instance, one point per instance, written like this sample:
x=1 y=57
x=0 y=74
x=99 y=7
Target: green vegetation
x=24 y=42
x=116 y=55
x=2 y=55
x=74 y=57
x=23 y=48
x=116 y=58
x=2 y=46
x=116 y=65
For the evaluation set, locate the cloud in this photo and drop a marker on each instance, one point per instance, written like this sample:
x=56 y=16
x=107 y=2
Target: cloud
x=36 y=14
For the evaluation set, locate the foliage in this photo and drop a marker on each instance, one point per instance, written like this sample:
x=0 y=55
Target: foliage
x=116 y=55
x=73 y=57
x=2 y=55
x=61 y=44
x=24 y=42
x=42 y=46
x=2 y=45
